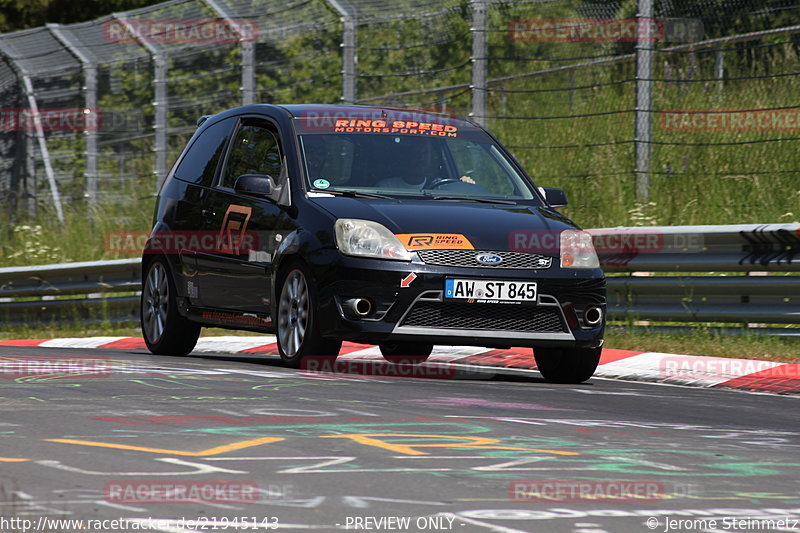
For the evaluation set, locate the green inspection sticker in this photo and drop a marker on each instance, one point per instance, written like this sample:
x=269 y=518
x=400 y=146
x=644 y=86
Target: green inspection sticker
x=321 y=184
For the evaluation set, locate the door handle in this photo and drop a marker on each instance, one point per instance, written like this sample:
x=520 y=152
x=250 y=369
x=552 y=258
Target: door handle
x=208 y=214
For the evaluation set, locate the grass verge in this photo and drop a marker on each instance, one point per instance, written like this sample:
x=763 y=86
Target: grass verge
x=708 y=343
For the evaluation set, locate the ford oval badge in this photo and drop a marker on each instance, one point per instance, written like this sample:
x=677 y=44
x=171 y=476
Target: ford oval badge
x=489 y=259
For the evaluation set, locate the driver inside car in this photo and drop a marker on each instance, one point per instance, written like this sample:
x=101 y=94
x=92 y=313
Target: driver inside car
x=427 y=168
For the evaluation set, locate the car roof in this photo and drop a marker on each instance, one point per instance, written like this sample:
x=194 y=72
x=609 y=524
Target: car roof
x=358 y=111
x=348 y=111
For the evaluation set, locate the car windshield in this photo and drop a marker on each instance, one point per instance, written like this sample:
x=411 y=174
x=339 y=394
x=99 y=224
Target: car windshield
x=427 y=163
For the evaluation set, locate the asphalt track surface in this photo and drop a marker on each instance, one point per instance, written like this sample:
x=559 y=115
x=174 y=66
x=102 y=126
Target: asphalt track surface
x=179 y=444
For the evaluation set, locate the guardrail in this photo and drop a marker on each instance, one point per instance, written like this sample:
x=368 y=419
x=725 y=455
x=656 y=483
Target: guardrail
x=50 y=294
x=732 y=274
x=729 y=274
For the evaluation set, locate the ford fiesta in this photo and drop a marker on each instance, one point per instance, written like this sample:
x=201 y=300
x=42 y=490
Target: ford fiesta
x=383 y=226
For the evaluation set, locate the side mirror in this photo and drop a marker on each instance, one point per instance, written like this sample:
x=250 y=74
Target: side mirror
x=555 y=197
x=254 y=185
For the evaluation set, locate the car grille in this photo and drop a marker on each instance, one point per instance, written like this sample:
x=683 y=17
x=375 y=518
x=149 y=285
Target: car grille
x=467 y=258
x=505 y=317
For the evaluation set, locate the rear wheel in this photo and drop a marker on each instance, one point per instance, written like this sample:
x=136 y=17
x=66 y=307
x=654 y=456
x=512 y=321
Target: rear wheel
x=297 y=325
x=164 y=330
x=567 y=365
x=406 y=352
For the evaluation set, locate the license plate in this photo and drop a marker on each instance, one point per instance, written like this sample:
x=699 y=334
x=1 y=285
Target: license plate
x=490 y=291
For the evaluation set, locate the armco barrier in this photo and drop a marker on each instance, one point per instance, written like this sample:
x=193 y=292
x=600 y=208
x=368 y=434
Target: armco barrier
x=71 y=293
x=732 y=274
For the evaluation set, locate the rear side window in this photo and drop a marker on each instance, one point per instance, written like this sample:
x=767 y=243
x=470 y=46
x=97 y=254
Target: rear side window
x=200 y=162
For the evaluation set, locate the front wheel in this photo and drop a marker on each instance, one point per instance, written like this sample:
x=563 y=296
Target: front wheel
x=574 y=365
x=406 y=352
x=297 y=327
x=164 y=330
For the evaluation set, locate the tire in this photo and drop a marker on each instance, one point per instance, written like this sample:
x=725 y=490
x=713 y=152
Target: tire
x=164 y=330
x=567 y=365
x=406 y=352
x=297 y=326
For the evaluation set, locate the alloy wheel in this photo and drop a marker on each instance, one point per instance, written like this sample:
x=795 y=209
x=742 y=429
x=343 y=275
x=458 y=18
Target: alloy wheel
x=155 y=304
x=293 y=313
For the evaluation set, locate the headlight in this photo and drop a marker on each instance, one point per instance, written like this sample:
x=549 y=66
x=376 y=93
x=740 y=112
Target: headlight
x=365 y=238
x=577 y=250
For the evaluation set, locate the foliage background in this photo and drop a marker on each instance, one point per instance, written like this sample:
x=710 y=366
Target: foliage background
x=565 y=109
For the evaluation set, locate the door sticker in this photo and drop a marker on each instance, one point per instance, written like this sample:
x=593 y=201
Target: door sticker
x=232 y=234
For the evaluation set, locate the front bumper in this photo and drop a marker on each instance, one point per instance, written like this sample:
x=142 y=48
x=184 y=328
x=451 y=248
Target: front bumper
x=419 y=312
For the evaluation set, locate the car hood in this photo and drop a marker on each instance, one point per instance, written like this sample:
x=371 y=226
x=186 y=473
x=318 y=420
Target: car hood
x=486 y=226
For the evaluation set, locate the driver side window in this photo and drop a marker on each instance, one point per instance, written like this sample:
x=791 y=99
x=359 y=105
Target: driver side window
x=255 y=150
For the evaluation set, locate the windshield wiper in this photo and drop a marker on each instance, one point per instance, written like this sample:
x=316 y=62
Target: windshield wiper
x=353 y=194
x=470 y=199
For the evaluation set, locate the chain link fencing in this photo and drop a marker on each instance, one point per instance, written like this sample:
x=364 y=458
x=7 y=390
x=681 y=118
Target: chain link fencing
x=646 y=112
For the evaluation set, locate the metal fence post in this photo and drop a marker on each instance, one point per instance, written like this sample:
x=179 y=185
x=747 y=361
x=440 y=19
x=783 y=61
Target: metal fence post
x=91 y=113
x=248 y=72
x=160 y=70
x=719 y=67
x=645 y=41
x=349 y=38
x=27 y=87
x=480 y=64
x=160 y=126
x=48 y=166
x=29 y=190
x=248 y=51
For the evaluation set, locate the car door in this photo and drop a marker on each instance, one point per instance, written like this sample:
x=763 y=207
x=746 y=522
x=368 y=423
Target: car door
x=235 y=274
x=194 y=176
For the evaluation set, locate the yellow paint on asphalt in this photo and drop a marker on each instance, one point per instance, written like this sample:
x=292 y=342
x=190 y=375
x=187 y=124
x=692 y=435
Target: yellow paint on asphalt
x=11 y=460
x=480 y=443
x=203 y=453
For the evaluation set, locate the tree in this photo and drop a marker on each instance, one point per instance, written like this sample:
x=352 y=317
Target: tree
x=22 y=14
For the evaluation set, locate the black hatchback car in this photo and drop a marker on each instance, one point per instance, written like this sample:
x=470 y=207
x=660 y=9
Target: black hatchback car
x=384 y=226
